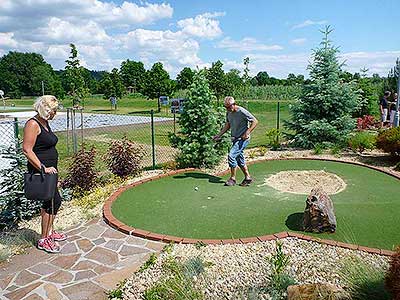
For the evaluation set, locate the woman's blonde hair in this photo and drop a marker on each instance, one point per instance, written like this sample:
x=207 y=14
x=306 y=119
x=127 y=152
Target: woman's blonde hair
x=44 y=105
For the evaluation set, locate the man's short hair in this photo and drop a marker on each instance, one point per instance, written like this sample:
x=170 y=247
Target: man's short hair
x=387 y=93
x=229 y=100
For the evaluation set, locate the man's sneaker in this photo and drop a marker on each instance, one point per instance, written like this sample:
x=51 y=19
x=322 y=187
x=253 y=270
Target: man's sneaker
x=246 y=182
x=48 y=245
x=58 y=236
x=230 y=182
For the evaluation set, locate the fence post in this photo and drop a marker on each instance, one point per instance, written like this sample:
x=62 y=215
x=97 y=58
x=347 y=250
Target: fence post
x=16 y=132
x=278 y=121
x=153 y=146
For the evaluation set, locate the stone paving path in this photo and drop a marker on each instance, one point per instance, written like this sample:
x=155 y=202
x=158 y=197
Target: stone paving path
x=93 y=260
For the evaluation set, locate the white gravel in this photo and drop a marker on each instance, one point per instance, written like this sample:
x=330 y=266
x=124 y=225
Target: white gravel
x=239 y=268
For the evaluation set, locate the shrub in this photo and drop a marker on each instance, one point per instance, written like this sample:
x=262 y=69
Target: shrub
x=361 y=141
x=14 y=207
x=366 y=122
x=389 y=141
x=124 y=157
x=392 y=280
x=273 y=136
x=81 y=173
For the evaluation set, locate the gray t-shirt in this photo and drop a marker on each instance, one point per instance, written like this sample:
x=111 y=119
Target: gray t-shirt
x=239 y=121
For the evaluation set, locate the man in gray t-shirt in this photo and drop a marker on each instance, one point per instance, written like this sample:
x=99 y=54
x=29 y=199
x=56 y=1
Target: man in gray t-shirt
x=238 y=120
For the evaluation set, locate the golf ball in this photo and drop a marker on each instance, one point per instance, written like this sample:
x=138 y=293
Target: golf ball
x=196 y=188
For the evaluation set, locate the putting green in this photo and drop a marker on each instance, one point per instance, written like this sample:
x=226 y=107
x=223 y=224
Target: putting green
x=367 y=211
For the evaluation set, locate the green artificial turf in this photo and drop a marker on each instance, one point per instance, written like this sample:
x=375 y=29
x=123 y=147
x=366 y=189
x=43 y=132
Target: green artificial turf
x=366 y=211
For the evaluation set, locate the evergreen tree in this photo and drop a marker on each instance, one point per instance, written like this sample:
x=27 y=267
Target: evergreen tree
x=323 y=112
x=74 y=78
x=199 y=122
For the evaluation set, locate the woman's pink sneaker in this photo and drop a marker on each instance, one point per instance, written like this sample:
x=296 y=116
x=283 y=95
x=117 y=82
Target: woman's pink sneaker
x=58 y=236
x=48 y=245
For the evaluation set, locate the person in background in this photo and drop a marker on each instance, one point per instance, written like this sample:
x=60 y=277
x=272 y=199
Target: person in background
x=392 y=109
x=39 y=146
x=241 y=123
x=383 y=107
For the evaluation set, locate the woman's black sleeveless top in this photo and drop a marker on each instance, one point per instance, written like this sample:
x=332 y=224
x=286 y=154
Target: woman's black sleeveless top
x=45 y=147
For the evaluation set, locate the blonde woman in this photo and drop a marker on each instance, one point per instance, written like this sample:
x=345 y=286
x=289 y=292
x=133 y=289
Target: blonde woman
x=39 y=147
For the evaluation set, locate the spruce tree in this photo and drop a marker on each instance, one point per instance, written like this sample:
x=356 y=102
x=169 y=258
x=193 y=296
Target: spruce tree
x=199 y=122
x=322 y=114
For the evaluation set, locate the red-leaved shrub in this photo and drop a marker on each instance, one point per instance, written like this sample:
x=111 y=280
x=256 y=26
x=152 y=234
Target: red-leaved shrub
x=124 y=157
x=389 y=141
x=366 y=122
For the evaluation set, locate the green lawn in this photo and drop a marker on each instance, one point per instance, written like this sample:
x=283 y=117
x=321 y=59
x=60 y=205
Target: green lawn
x=366 y=211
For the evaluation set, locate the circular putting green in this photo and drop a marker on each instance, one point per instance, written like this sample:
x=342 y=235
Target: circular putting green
x=197 y=205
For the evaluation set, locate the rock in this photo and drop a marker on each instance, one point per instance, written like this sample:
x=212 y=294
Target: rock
x=316 y=291
x=319 y=215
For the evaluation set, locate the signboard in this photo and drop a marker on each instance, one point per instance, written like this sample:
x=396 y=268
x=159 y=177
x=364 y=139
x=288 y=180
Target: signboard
x=177 y=105
x=164 y=100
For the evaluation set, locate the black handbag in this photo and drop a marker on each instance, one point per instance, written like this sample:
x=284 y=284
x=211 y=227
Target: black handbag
x=40 y=186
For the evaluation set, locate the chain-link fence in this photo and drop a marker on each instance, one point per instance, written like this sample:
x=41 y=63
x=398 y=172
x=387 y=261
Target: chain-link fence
x=75 y=129
x=8 y=141
x=146 y=129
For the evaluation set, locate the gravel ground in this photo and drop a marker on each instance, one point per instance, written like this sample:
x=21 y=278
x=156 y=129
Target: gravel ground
x=237 y=269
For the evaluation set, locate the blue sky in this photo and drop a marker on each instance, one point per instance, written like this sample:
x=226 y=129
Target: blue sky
x=277 y=36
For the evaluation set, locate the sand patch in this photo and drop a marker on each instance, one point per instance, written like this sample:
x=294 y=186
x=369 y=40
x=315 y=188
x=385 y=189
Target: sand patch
x=302 y=182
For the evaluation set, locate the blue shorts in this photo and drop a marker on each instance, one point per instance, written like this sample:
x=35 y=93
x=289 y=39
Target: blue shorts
x=236 y=154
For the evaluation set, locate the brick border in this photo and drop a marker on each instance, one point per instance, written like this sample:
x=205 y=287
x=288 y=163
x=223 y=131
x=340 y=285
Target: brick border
x=115 y=223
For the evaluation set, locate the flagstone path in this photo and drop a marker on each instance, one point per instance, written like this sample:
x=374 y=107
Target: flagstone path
x=93 y=260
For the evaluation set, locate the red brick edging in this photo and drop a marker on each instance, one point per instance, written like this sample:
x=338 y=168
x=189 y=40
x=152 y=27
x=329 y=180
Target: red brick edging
x=115 y=223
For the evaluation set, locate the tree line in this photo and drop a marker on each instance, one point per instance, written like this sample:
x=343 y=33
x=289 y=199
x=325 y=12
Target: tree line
x=22 y=74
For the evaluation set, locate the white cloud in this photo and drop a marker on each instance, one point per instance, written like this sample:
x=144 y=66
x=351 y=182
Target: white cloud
x=153 y=45
x=7 y=40
x=24 y=14
x=247 y=44
x=307 y=23
x=60 y=31
x=204 y=26
x=376 y=62
x=300 y=41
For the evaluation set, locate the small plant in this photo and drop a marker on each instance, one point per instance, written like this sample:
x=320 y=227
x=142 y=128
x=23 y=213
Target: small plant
x=366 y=122
x=262 y=150
x=118 y=292
x=361 y=141
x=168 y=248
x=363 y=280
x=253 y=153
x=389 y=141
x=336 y=149
x=273 y=137
x=124 y=157
x=279 y=280
x=318 y=148
x=199 y=245
x=150 y=262
x=81 y=173
x=392 y=280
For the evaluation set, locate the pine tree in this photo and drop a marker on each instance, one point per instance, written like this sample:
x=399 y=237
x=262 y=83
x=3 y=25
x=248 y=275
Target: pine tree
x=322 y=115
x=199 y=122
